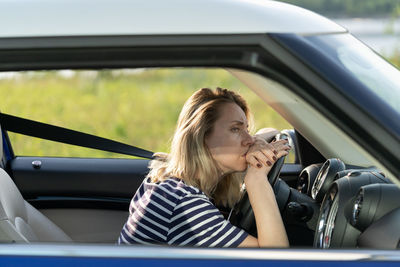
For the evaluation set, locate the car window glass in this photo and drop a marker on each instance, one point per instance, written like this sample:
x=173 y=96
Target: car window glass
x=380 y=77
x=134 y=106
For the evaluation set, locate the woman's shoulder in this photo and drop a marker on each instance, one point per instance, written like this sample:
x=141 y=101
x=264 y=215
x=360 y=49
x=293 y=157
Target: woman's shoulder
x=177 y=187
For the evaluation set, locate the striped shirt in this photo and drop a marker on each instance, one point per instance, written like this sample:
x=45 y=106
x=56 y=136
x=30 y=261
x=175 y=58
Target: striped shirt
x=171 y=212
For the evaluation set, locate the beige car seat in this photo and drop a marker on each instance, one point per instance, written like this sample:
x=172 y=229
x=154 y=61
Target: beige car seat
x=20 y=221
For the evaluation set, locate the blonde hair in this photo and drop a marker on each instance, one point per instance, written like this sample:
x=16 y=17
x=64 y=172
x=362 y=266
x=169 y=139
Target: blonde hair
x=190 y=159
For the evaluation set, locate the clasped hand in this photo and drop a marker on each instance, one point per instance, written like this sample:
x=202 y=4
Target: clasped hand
x=262 y=155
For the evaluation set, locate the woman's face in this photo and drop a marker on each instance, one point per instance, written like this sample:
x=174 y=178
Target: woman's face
x=229 y=139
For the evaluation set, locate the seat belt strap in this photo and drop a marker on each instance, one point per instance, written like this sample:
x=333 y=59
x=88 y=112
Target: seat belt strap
x=67 y=136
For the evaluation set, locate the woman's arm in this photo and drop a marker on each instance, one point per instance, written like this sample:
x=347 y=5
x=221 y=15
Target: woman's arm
x=270 y=229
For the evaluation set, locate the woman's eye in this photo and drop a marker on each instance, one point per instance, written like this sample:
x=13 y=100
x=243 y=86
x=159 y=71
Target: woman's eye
x=235 y=130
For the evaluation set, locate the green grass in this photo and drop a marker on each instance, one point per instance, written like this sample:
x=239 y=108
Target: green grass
x=139 y=108
x=395 y=58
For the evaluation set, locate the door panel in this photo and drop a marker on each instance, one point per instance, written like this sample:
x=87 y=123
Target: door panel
x=86 y=225
x=87 y=198
x=78 y=177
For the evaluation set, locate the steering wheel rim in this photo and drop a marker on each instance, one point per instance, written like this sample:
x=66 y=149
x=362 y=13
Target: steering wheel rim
x=242 y=214
x=275 y=171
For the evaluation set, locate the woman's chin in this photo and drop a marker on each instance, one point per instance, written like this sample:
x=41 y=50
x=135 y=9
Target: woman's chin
x=242 y=168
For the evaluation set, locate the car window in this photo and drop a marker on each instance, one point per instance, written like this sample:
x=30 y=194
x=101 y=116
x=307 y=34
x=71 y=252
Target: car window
x=379 y=77
x=134 y=106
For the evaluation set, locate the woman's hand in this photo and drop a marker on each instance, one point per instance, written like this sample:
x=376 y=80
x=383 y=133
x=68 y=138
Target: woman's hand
x=262 y=155
x=266 y=134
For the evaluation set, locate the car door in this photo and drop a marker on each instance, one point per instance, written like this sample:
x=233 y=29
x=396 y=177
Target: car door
x=86 y=197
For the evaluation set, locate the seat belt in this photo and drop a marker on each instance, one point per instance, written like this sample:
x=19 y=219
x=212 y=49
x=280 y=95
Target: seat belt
x=63 y=135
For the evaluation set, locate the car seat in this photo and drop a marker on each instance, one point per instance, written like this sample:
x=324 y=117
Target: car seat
x=20 y=221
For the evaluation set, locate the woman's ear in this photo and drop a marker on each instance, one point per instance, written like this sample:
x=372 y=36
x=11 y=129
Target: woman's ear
x=267 y=134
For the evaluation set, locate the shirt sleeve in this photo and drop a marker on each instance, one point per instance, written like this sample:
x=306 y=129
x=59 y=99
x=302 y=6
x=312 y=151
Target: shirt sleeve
x=197 y=222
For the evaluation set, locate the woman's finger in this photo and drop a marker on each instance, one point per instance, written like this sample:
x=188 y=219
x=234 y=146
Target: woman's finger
x=262 y=158
x=279 y=142
x=282 y=153
x=271 y=153
x=252 y=160
x=281 y=145
x=264 y=152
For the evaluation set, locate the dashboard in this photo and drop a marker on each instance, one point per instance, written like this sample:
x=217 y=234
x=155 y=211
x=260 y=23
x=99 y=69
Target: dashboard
x=351 y=207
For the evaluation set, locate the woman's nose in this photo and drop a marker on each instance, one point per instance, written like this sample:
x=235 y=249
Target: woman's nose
x=248 y=140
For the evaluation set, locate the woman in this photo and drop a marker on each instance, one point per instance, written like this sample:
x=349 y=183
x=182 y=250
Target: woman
x=211 y=152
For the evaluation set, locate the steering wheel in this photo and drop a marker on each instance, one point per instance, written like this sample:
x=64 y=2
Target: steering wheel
x=242 y=214
x=276 y=169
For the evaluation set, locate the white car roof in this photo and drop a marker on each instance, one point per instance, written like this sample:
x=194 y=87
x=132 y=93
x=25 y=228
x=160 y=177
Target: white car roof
x=25 y=18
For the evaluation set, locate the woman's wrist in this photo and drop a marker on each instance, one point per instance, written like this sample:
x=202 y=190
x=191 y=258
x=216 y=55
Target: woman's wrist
x=255 y=177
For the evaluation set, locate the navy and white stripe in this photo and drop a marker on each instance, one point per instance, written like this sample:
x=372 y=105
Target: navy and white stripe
x=174 y=213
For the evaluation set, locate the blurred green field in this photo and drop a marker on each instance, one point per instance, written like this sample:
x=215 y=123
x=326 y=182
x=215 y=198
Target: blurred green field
x=395 y=58
x=138 y=107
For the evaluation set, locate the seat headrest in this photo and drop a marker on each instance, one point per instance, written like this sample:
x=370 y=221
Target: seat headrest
x=11 y=199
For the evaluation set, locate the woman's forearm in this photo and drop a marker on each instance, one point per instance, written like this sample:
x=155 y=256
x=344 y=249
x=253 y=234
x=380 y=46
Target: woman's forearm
x=270 y=229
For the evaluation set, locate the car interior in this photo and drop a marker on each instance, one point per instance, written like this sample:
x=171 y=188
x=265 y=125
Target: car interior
x=327 y=199
x=20 y=221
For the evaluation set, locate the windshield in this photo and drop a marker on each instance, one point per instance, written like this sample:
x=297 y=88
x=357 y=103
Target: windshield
x=380 y=77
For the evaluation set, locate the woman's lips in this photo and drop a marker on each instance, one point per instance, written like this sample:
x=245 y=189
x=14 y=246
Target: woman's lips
x=245 y=154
